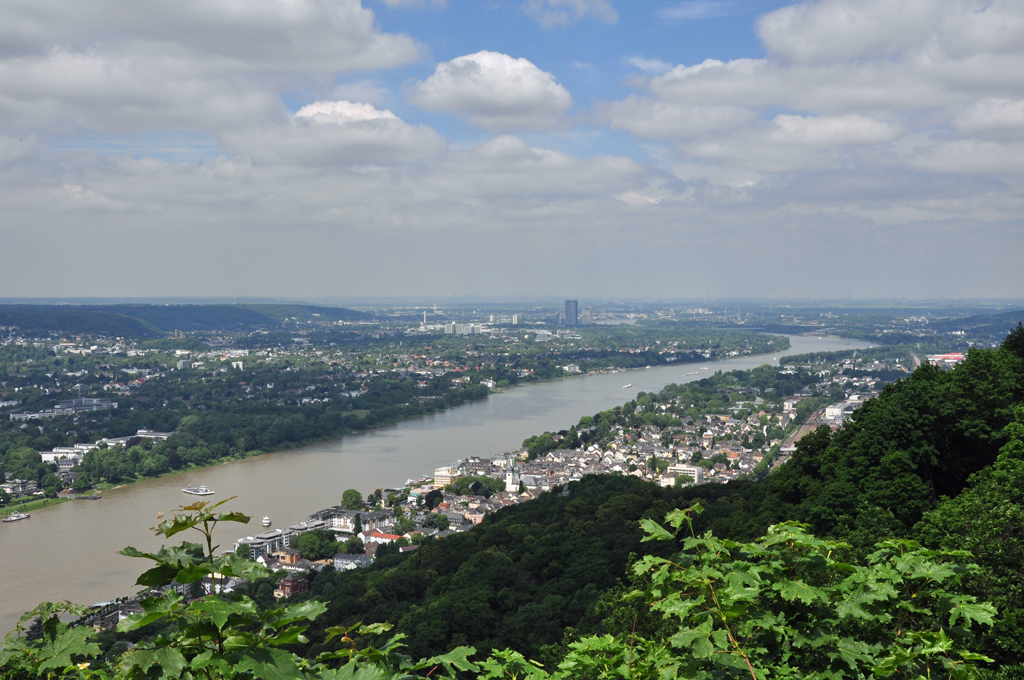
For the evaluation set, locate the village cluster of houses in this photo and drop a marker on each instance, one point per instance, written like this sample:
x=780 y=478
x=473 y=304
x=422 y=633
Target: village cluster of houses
x=67 y=458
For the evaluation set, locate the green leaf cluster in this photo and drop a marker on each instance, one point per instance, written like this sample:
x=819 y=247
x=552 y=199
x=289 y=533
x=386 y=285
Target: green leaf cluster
x=778 y=607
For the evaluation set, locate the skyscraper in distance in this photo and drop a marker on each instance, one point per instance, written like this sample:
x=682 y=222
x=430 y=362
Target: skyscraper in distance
x=572 y=312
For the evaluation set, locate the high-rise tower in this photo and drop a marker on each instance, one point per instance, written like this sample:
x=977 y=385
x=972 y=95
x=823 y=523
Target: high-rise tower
x=572 y=312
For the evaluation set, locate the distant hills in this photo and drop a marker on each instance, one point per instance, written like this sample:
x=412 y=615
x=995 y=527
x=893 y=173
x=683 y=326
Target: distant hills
x=142 y=321
x=998 y=325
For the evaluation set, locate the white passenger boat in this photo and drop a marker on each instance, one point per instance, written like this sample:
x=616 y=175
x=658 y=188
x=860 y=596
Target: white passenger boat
x=198 y=491
x=16 y=516
x=629 y=385
x=266 y=520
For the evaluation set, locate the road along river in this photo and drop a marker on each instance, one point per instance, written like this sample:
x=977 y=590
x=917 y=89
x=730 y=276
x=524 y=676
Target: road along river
x=67 y=552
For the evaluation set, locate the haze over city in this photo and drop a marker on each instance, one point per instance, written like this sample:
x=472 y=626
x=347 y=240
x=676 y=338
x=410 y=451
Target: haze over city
x=351 y=148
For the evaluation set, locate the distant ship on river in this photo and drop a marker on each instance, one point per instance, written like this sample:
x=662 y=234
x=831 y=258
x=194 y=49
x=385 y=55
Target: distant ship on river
x=198 y=491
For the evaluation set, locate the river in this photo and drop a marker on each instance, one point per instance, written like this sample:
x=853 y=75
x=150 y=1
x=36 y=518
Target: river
x=67 y=552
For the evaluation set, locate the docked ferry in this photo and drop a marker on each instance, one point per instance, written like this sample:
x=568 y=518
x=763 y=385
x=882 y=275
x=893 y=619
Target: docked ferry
x=198 y=491
x=16 y=516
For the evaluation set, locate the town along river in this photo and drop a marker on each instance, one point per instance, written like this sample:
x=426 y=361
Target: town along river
x=67 y=552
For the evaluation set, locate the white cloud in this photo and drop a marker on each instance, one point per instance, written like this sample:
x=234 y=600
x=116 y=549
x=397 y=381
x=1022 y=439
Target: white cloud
x=650 y=65
x=298 y=35
x=853 y=133
x=791 y=143
x=840 y=29
x=848 y=82
x=497 y=219
x=967 y=157
x=552 y=13
x=830 y=131
x=494 y=91
x=337 y=133
x=993 y=116
x=342 y=112
x=185 y=65
x=647 y=117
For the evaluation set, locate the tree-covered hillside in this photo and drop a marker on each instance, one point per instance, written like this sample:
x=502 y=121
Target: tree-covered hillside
x=143 y=321
x=519 y=579
x=920 y=440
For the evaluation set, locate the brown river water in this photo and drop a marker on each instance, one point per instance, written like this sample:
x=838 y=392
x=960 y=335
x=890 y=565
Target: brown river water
x=67 y=552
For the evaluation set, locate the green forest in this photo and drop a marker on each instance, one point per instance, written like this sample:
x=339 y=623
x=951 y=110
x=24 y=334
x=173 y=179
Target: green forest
x=144 y=321
x=891 y=548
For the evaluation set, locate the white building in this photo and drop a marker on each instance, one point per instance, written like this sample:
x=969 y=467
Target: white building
x=694 y=471
x=443 y=476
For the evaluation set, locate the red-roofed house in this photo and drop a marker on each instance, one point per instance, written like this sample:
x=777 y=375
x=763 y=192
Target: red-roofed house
x=378 y=537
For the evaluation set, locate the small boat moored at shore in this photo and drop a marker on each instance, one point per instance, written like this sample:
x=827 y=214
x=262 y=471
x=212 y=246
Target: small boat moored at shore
x=16 y=516
x=198 y=491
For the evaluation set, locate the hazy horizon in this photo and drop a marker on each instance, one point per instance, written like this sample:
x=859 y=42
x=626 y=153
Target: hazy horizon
x=500 y=302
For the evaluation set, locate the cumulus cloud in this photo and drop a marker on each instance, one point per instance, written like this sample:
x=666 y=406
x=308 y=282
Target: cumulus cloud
x=856 y=82
x=494 y=91
x=552 y=13
x=337 y=133
x=191 y=64
x=840 y=29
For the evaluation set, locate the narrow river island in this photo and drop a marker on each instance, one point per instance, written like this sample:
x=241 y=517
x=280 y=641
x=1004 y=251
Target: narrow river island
x=68 y=552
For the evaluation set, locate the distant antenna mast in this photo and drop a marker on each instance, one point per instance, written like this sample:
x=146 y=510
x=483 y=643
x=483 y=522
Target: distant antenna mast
x=235 y=290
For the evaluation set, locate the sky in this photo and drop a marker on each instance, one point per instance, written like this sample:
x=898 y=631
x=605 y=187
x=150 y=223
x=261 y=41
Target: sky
x=474 y=148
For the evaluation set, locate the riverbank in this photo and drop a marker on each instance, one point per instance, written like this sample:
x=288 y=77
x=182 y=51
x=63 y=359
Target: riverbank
x=83 y=565
x=397 y=420
x=32 y=505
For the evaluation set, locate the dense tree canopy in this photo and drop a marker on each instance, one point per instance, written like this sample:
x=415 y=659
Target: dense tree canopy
x=351 y=499
x=921 y=439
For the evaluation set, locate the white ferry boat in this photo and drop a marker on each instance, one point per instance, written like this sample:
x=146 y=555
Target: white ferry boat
x=198 y=491
x=16 y=516
x=266 y=520
x=629 y=385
